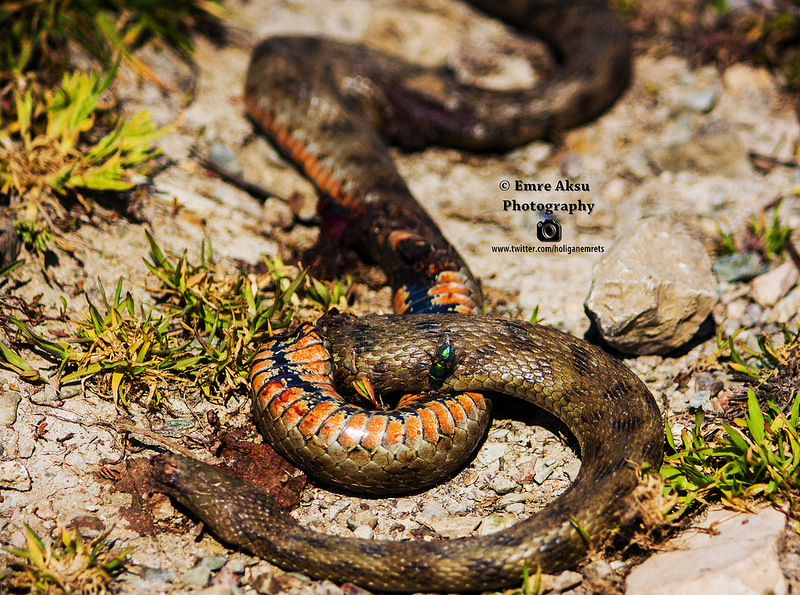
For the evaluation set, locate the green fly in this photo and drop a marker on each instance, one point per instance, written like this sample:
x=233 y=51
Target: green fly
x=443 y=361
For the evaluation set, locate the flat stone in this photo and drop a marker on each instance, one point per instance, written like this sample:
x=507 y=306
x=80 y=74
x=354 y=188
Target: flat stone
x=432 y=510
x=497 y=522
x=786 y=309
x=364 y=532
x=567 y=580
x=572 y=468
x=362 y=517
x=701 y=101
x=9 y=401
x=502 y=485
x=14 y=476
x=491 y=452
x=199 y=574
x=740 y=266
x=542 y=474
x=712 y=152
x=405 y=505
x=652 y=290
x=738 y=556
x=459 y=526
x=556 y=583
x=770 y=287
x=516 y=508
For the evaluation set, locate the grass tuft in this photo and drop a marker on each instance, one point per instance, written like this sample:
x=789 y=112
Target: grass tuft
x=767 y=237
x=61 y=143
x=754 y=457
x=203 y=330
x=69 y=565
x=36 y=33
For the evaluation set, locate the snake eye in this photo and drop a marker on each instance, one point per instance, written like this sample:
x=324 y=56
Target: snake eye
x=442 y=361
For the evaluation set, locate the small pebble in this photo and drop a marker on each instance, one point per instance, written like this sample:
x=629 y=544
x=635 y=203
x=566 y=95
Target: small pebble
x=456 y=507
x=9 y=401
x=567 y=580
x=502 y=485
x=597 y=570
x=237 y=564
x=68 y=391
x=180 y=424
x=157 y=575
x=516 y=508
x=225 y=158
x=700 y=399
x=543 y=474
x=405 y=505
x=701 y=101
x=752 y=315
x=455 y=526
x=362 y=518
x=197 y=576
x=327 y=587
x=572 y=166
x=200 y=573
x=741 y=266
x=364 y=532
x=514 y=497
x=491 y=452
x=495 y=522
x=14 y=476
x=431 y=511
x=706 y=381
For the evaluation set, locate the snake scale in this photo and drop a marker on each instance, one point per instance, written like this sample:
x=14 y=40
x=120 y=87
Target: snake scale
x=328 y=107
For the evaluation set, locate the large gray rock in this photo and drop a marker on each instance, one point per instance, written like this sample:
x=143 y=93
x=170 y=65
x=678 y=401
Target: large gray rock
x=651 y=292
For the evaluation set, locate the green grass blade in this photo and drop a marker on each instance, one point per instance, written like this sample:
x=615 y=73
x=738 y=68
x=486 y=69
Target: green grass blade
x=755 y=417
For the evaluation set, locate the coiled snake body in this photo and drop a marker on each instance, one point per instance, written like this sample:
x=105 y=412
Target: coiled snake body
x=304 y=93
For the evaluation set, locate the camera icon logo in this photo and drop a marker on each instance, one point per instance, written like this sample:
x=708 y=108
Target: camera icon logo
x=548 y=230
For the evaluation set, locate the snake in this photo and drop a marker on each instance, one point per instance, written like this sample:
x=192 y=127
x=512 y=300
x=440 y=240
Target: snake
x=329 y=107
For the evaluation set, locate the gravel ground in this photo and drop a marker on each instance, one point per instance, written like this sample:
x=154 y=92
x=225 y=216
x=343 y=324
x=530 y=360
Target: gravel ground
x=640 y=160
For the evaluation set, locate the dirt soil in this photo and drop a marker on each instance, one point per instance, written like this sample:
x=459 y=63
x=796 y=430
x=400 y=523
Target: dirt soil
x=82 y=469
